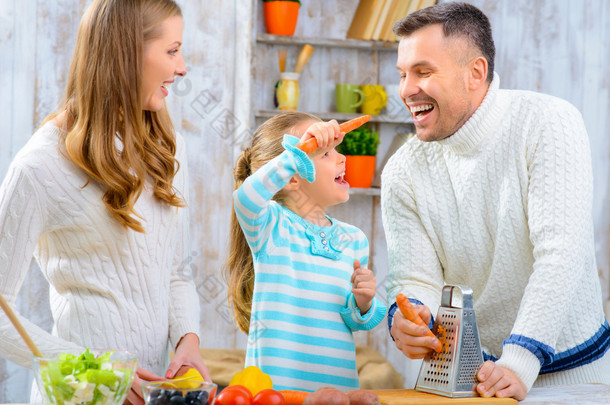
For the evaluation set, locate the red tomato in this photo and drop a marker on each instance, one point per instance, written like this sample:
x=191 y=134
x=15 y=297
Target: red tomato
x=269 y=397
x=212 y=396
x=234 y=395
x=240 y=387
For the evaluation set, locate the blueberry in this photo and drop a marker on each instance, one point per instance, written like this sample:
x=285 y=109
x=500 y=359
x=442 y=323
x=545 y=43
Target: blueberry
x=192 y=394
x=161 y=399
x=156 y=394
x=196 y=398
x=169 y=394
x=177 y=400
x=191 y=397
x=203 y=397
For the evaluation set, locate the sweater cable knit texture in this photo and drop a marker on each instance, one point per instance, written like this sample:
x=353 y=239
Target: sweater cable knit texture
x=504 y=206
x=110 y=287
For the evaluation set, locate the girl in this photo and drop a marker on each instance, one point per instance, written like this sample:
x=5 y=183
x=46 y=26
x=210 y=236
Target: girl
x=298 y=280
x=98 y=197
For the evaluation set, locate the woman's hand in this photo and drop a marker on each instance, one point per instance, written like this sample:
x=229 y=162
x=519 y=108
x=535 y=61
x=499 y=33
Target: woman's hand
x=134 y=396
x=498 y=381
x=411 y=338
x=363 y=287
x=187 y=356
x=327 y=134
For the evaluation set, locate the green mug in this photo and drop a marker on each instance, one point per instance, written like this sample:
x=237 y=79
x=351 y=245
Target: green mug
x=348 y=97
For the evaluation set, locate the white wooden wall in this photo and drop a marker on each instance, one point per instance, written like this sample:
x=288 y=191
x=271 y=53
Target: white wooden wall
x=558 y=47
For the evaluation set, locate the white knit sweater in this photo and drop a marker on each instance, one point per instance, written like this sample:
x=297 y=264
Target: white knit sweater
x=109 y=287
x=504 y=207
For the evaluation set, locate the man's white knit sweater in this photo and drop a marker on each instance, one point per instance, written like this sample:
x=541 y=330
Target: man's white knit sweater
x=504 y=207
x=111 y=288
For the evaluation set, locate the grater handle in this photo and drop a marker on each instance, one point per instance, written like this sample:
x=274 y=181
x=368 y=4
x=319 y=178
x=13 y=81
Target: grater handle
x=457 y=296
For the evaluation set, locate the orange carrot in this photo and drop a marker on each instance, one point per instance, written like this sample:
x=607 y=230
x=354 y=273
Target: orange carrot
x=409 y=312
x=352 y=124
x=311 y=144
x=294 y=397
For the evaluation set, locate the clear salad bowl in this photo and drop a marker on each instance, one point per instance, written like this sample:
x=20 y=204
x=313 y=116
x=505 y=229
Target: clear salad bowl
x=92 y=377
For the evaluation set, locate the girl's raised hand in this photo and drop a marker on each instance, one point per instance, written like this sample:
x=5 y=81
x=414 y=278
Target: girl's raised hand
x=328 y=135
x=363 y=287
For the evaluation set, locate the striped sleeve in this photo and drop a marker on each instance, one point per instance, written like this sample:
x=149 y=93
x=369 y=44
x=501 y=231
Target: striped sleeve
x=355 y=321
x=252 y=199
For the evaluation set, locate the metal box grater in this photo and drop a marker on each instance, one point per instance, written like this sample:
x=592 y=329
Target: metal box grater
x=452 y=372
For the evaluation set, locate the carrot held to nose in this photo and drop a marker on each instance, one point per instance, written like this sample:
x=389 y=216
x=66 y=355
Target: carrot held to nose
x=311 y=144
x=409 y=312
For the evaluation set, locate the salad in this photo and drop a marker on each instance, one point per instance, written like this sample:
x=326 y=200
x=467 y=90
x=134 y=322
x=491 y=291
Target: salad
x=85 y=379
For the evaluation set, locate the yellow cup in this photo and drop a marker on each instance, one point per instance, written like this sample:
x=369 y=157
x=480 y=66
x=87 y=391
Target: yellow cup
x=375 y=98
x=287 y=91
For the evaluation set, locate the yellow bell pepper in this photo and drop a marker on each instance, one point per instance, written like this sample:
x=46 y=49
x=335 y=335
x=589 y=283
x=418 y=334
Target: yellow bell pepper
x=252 y=378
x=186 y=380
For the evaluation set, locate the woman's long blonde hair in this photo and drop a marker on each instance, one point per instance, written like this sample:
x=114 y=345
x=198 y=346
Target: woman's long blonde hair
x=239 y=269
x=103 y=101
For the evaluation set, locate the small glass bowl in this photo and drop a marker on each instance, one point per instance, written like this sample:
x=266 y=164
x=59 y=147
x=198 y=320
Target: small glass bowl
x=189 y=392
x=62 y=380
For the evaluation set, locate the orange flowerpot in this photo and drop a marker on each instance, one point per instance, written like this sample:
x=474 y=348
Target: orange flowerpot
x=281 y=16
x=359 y=170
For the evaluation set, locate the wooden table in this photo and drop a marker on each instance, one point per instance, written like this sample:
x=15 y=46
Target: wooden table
x=590 y=394
x=412 y=397
x=583 y=394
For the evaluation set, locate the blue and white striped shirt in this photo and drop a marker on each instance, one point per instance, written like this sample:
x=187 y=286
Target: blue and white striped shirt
x=303 y=310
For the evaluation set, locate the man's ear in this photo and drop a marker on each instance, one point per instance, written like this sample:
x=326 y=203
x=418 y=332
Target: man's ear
x=477 y=73
x=293 y=184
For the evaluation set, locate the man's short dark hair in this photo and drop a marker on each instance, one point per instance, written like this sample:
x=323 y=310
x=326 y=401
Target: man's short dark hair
x=458 y=20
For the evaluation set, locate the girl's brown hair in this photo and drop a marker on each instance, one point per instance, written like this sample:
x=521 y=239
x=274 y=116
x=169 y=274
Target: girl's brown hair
x=239 y=268
x=103 y=101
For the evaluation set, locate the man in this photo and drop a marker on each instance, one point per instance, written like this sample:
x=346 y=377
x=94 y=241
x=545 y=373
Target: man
x=495 y=193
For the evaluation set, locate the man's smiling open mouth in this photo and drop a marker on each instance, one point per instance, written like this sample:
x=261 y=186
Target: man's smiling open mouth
x=420 y=111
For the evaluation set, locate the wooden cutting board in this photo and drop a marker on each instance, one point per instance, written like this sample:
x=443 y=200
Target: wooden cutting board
x=405 y=397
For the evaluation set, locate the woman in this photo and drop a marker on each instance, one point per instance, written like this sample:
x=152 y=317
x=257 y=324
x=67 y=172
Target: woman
x=98 y=197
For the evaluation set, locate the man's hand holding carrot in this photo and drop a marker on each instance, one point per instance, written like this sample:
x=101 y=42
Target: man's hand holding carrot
x=416 y=341
x=410 y=329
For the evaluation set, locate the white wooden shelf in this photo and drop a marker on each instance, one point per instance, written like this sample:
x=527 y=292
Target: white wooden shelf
x=372 y=191
x=349 y=44
x=385 y=119
x=327 y=42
